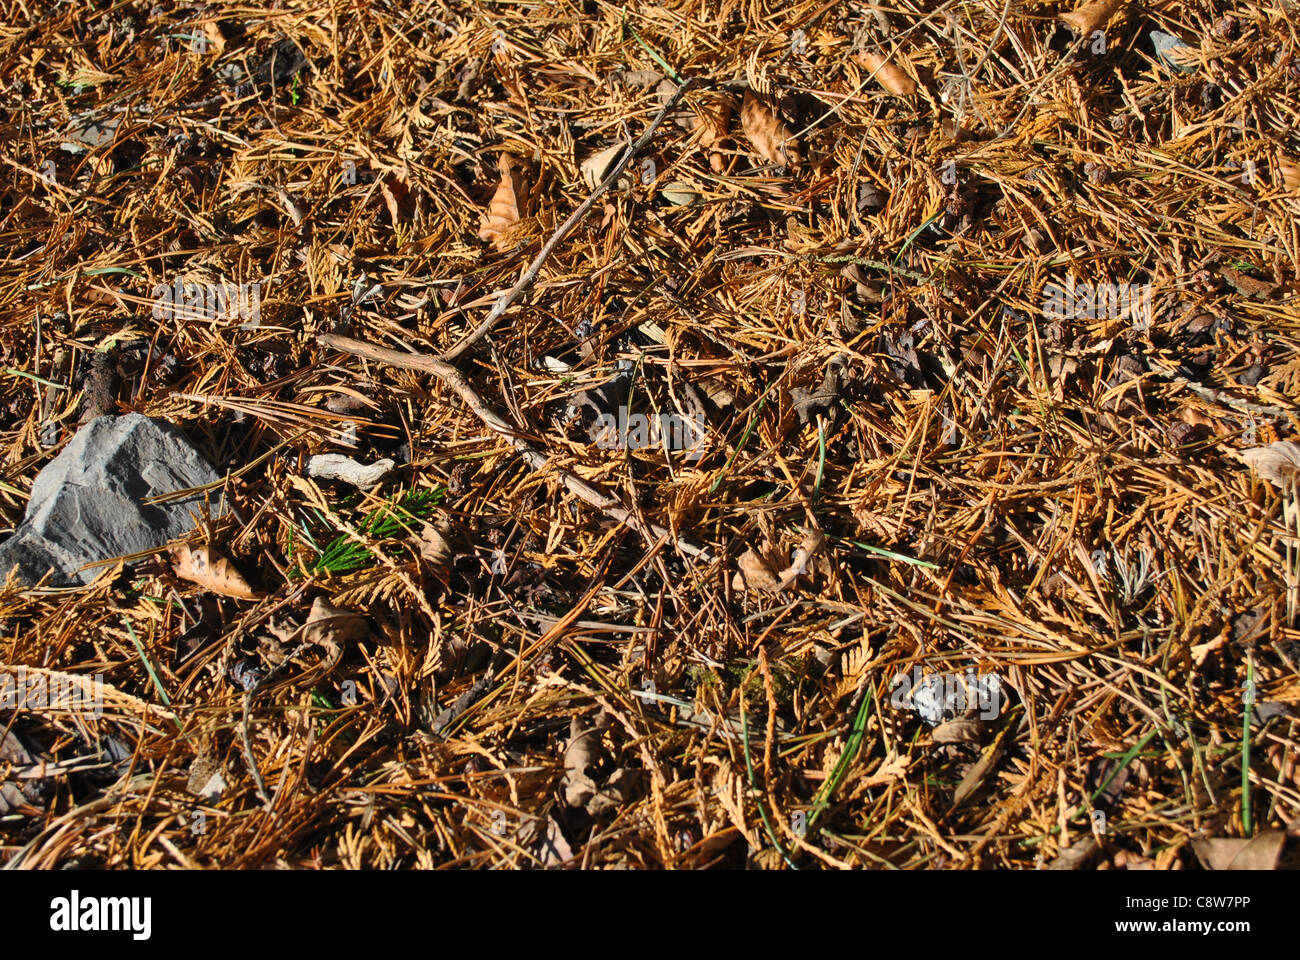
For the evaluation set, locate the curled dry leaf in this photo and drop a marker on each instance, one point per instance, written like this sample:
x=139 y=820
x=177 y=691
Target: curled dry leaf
x=755 y=571
x=764 y=129
x=209 y=569
x=332 y=629
x=216 y=40
x=808 y=402
x=712 y=122
x=1241 y=853
x=1290 y=174
x=888 y=73
x=1278 y=463
x=763 y=570
x=1075 y=855
x=547 y=841
x=957 y=731
x=19 y=795
x=621 y=787
x=582 y=755
x=507 y=203
x=433 y=546
x=334 y=466
x=329 y=626
x=595 y=167
x=1090 y=16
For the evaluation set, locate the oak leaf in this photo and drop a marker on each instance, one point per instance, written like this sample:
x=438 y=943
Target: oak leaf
x=1278 y=463
x=1290 y=175
x=507 y=203
x=1259 y=852
x=201 y=564
x=769 y=136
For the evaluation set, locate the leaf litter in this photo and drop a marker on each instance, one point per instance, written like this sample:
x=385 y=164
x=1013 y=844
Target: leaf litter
x=831 y=250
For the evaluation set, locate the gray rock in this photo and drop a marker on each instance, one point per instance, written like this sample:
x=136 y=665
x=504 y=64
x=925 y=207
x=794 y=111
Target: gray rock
x=88 y=131
x=85 y=505
x=1175 y=54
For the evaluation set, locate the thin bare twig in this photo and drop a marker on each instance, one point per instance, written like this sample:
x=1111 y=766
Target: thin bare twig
x=514 y=293
x=537 y=460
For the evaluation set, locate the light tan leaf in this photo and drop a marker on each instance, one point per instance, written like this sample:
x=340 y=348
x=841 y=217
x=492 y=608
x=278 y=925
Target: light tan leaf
x=1278 y=463
x=505 y=209
x=957 y=731
x=1241 y=853
x=1091 y=16
x=712 y=121
x=582 y=754
x=597 y=165
x=888 y=74
x=216 y=42
x=433 y=546
x=764 y=129
x=755 y=572
x=333 y=627
x=201 y=564
x=548 y=843
x=390 y=201
x=1290 y=174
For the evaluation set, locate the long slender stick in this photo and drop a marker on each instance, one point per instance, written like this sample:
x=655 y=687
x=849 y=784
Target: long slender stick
x=537 y=460
x=534 y=268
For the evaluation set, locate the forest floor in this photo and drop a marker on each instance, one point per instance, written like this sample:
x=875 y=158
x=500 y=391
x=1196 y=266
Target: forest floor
x=864 y=479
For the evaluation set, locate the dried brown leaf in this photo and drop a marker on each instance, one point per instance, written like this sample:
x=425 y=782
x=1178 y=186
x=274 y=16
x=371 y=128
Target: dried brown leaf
x=595 y=167
x=199 y=563
x=1091 y=16
x=507 y=204
x=1075 y=855
x=765 y=131
x=1278 y=463
x=712 y=121
x=620 y=788
x=888 y=73
x=582 y=755
x=1241 y=853
x=333 y=627
x=957 y=731
x=755 y=571
x=1290 y=174
x=22 y=795
x=434 y=546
